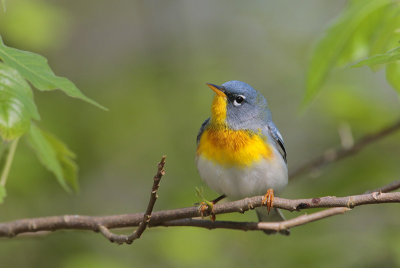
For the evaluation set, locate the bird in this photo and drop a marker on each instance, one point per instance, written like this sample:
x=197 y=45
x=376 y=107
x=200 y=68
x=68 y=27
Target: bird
x=240 y=151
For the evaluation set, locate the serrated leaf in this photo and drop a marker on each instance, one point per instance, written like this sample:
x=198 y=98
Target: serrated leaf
x=393 y=75
x=17 y=107
x=3 y=193
x=55 y=156
x=366 y=35
x=386 y=34
x=388 y=57
x=338 y=42
x=35 y=68
x=66 y=158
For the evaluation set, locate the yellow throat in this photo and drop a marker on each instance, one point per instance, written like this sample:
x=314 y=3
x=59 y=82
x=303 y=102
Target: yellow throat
x=228 y=147
x=218 y=109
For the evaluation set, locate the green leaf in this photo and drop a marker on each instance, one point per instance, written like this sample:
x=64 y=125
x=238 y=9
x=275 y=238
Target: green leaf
x=340 y=42
x=366 y=35
x=3 y=193
x=35 y=68
x=386 y=34
x=66 y=159
x=393 y=75
x=55 y=156
x=388 y=57
x=16 y=104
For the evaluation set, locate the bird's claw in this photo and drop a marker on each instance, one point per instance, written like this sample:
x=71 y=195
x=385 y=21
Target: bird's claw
x=207 y=207
x=268 y=199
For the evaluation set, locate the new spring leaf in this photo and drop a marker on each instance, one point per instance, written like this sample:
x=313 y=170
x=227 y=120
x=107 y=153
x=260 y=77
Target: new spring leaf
x=17 y=107
x=55 y=156
x=35 y=68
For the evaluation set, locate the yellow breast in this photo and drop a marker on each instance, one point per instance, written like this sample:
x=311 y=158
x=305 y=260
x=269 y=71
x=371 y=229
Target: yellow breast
x=233 y=147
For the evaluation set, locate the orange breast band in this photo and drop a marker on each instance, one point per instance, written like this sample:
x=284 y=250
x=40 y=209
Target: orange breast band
x=233 y=147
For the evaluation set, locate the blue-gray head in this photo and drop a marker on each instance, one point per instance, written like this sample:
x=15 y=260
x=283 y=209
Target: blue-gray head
x=238 y=105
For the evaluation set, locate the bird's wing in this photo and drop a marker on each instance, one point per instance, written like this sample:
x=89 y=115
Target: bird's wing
x=277 y=138
x=202 y=128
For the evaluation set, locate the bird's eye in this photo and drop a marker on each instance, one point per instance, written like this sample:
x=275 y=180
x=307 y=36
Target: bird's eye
x=238 y=100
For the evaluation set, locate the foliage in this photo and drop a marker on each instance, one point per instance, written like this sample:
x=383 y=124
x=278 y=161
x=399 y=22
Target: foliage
x=17 y=105
x=366 y=29
x=55 y=156
x=151 y=71
x=385 y=58
x=18 y=110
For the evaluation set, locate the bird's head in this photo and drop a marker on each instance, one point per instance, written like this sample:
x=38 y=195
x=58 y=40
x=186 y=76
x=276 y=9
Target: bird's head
x=238 y=105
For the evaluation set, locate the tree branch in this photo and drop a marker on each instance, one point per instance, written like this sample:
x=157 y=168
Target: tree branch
x=120 y=239
x=387 y=188
x=256 y=226
x=182 y=216
x=276 y=226
x=334 y=155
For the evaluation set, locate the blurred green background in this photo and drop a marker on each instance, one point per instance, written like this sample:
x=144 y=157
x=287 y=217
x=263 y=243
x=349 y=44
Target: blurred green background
x=148 y=62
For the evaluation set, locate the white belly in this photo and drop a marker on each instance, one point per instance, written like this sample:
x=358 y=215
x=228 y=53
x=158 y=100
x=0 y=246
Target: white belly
x=237 y=182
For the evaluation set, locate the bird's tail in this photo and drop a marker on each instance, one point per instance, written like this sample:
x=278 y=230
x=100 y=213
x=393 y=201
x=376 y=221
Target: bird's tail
x=274 y=215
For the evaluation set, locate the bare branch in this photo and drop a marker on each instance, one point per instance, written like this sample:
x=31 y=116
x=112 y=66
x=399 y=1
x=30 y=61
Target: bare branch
x=387 y=188
x=183 y=215
x=256 y=226
x=274 y=226
x=334 y=155
x=384 y=189
x=120 y=239
x=332 y=201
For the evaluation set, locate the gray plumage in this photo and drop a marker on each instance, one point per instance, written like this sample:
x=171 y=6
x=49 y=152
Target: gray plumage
x=247 y=109
x=256 y=117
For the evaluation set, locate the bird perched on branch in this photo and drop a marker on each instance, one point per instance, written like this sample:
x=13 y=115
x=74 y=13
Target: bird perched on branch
x=240 y=151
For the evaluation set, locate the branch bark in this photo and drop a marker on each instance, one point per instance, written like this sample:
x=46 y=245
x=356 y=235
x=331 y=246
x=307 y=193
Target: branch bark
x=256 y=226
x=120 y=239
x=334 y=155
x=183 y=216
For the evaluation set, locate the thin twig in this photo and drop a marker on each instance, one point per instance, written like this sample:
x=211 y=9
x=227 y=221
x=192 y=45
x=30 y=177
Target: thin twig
x=384 y=189
x=387 y=188
x=256 y=226
x=334 y=155
x=275 y=226
x=120 y=239
x=11 y=229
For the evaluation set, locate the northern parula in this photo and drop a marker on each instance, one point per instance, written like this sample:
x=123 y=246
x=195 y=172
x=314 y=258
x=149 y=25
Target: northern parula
x=240 y=151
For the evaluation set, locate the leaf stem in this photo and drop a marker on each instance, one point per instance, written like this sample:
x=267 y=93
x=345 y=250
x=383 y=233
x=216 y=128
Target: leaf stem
x=7 y=165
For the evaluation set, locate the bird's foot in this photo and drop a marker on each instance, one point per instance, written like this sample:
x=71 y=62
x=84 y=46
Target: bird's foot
x=268 y=199
x=207 y=207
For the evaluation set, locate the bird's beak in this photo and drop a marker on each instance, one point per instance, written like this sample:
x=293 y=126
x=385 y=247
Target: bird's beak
x=220 y=91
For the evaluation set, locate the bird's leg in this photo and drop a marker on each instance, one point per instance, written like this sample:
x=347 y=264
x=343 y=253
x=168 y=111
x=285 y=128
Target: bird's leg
x=268 y=199
x=207 y=206
x=219 y=198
